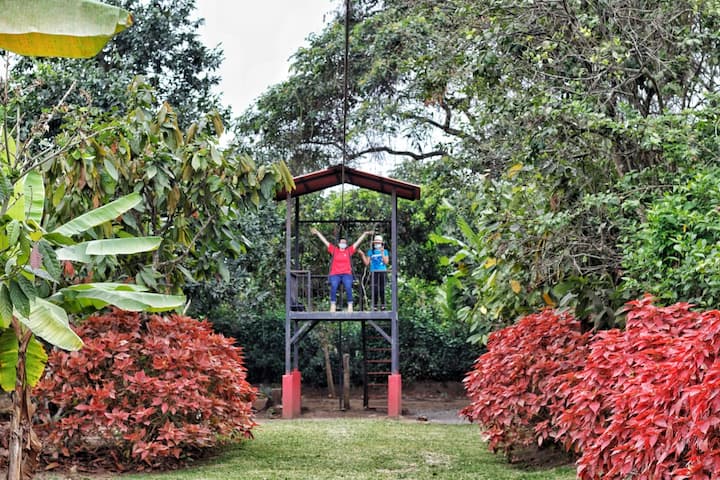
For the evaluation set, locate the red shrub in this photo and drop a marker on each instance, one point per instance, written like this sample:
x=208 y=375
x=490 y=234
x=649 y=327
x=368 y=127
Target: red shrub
x=509 y=384
x=145 y=392
x=646 y=405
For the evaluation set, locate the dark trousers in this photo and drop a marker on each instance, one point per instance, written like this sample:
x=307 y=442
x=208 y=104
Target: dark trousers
x=378 y=288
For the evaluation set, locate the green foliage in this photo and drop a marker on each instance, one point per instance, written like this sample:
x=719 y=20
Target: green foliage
x=673 y=254
x=430 y=349
x=192 y=190
x=548 y=144
x=250 y=305
x=31 y=257
x=520 y=254
x=164 y=31
x=27 y=259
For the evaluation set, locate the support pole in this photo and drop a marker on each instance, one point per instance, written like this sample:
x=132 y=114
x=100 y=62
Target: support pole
x=395 y=333
x=346 y=381
x=366 y=390
x=288 y=287
x=291 y=380
x=341 y=405
x=394 y=379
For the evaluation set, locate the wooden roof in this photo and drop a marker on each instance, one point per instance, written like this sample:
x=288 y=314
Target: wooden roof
x=330 y=177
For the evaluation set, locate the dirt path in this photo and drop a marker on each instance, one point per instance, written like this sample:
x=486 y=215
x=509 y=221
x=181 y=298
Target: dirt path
x=437 y=402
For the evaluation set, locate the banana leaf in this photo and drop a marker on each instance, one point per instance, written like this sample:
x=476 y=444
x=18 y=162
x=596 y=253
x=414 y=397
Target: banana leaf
x=59 y=28
x=83 y=251
x=98 y=216
x=50 y=322
x=79 y=298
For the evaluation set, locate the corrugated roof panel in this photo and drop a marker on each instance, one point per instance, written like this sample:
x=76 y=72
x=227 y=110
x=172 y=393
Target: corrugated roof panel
x=330 y=177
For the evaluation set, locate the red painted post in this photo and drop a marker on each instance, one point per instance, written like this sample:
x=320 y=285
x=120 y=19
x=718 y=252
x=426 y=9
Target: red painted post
x=288 y=396
x=297 y=386
x=394 y=395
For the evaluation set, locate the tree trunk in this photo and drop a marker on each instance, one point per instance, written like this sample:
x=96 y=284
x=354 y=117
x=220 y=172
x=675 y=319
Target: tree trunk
x=22 y=410
x=15 y=448
x=346 y=381
x=328 y=370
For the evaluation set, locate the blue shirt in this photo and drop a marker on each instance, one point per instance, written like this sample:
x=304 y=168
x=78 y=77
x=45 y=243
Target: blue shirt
x=376 y=260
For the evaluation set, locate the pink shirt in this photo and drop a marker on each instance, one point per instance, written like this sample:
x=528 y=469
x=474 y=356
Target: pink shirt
x=340 y=259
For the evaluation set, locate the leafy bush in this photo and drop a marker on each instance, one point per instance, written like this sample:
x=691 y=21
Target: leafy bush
x=645 y=405
x=430 y=349
x=509 y=385
x=145 y=392
x=674 y=253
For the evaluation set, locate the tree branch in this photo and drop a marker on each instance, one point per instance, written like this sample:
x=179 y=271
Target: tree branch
x=392 y=151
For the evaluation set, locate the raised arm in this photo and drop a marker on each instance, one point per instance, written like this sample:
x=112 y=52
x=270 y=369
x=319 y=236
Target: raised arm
x=365 y=258
x=322 y=238
x=360 y=239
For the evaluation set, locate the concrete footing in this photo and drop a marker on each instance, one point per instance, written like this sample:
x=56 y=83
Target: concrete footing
x=291 y=394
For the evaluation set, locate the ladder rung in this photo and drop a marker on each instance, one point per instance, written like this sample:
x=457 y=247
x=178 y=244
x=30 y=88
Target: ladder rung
x=379 y=361
x=378 y=373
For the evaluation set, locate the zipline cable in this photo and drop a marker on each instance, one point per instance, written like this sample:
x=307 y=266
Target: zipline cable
x=342 y=171
x=346 y=62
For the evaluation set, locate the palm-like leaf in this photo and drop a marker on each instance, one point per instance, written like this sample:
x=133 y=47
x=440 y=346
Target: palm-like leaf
x=8 y=359
x=59 y=28
x=82 y=252
x=78 y=298
x=99 y=216
x=35 y=360
x=50 y=322
x=28 y=198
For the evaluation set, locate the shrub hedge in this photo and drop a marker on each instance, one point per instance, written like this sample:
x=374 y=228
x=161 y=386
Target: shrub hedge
x=144 y=392
x=640 y=403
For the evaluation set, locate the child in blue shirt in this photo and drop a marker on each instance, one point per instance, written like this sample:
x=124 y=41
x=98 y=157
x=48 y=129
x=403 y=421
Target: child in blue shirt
x=377 y=258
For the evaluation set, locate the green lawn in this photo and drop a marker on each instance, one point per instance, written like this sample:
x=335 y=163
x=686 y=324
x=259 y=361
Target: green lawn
x=360 y=449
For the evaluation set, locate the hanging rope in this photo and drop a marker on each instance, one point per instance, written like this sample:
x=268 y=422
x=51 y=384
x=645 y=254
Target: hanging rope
x=346 y=62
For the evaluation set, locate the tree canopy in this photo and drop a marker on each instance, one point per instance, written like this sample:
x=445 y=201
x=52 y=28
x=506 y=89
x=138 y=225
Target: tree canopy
x=163 y=46
x=552 y=124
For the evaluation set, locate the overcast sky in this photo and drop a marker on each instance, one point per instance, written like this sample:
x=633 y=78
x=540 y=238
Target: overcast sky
x=258 y=38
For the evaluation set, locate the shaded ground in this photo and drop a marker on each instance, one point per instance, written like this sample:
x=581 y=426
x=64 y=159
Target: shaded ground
x=428 y=401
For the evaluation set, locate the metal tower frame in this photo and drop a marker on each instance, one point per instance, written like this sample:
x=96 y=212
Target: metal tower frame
x=299 y=322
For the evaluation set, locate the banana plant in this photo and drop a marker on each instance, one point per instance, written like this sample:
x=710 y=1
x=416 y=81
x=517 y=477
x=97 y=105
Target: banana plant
x=32 y=302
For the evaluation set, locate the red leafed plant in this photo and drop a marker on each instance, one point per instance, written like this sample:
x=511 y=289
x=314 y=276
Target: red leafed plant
x=508 y=386
x=144 y=392
x=647 y=403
